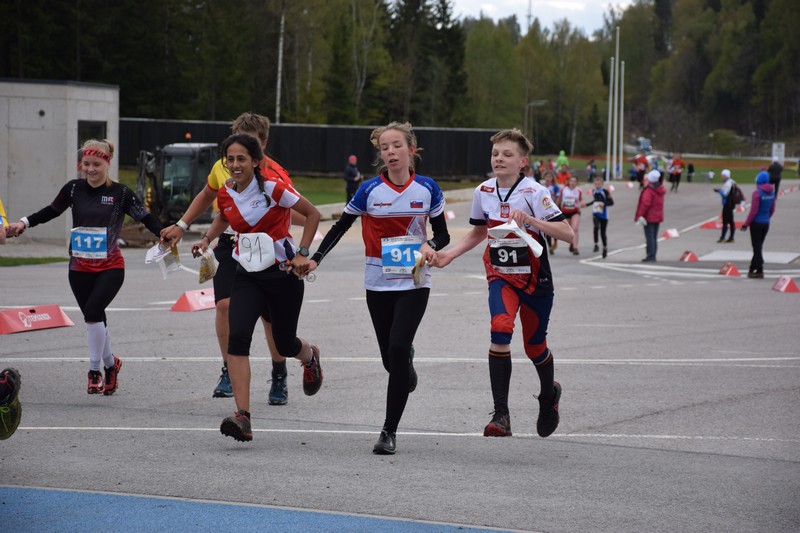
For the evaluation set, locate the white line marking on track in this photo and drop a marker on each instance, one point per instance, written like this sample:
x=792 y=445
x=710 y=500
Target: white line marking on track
x=755 y=362
x=420 y=433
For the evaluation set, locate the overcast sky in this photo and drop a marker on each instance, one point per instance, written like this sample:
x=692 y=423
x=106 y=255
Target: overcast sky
x=584 y=14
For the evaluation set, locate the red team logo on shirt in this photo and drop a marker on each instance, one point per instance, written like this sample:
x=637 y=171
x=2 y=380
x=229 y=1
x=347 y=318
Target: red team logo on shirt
x=546 y=202
x=505 y=209
x=485 y=188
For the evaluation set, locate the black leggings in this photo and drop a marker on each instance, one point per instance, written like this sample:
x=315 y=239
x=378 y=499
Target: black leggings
x=396 y=315
x=600 y=225
x=758 y=233
x=94 y=291
x=275 y=295
x=727 y=222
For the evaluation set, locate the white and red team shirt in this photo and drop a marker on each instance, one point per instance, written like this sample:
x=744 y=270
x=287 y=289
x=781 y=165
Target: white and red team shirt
x=531 y=197
x=251 y=211
x=571 y=200
x=390 y=211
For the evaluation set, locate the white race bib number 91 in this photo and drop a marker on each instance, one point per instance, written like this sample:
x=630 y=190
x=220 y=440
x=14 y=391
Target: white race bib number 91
x=397 y=254
x=89 y=243
x=510 y=256
x=256 y=251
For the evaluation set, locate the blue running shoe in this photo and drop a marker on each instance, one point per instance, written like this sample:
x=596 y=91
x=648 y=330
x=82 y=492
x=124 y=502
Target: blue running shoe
x=224 y=388
x=279 y=391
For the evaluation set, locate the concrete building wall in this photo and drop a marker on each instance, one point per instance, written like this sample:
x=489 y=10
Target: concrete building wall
x=39 y=141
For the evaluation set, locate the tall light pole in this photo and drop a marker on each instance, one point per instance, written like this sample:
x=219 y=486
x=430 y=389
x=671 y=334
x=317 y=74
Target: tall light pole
x=621 y=115
x=528 y=125
x=280 y=67
x=608 y=175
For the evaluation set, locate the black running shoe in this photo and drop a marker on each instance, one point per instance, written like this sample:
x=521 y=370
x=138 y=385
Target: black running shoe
x=386 y=444
x=10 y=408
x=10 y=382
x=548 y=419
x=312 y=373
x=596 y=248
x=412 y=374
x=237 y=426
x=500 y=426
x=279 y=390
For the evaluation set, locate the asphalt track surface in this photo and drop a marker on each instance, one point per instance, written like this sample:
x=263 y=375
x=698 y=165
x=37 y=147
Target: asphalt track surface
x=679 y=412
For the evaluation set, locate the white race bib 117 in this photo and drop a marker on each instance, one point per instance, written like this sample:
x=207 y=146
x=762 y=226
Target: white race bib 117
x=256 y=251
x=89 y=243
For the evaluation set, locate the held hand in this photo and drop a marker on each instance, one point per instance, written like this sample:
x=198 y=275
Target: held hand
x=743 y=228
x=171 y=234
x=442 y=259
x=15 y=230
x=298 y=266
x=428 y=253
x=312 y=265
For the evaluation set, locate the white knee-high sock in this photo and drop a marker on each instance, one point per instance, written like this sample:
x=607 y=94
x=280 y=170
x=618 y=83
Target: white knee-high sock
x=97 y=339
x=108 y=357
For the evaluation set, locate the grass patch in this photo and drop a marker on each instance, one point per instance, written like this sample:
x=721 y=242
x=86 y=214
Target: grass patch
x=22 y=261
x=318 y=190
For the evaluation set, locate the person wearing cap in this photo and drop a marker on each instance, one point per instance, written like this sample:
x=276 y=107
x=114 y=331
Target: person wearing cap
x=352 y=177
x=650 y=212
x=727 y=205
x=761 y=210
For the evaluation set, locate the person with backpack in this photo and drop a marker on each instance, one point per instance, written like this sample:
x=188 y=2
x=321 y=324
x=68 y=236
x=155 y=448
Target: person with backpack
x=731 y=196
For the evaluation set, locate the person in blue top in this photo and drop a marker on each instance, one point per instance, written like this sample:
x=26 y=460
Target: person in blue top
x=601 y=201
x=761 y=210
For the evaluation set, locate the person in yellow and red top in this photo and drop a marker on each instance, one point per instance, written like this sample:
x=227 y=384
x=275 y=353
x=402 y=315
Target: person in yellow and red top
x=3 y=222
x=255 y=126
x=519 y=281
x=264 y=285
x=96 y=265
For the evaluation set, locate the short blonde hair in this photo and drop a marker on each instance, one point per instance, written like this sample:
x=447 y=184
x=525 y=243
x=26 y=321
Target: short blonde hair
x=411 y=139
x=516 y=136
x=251 y=122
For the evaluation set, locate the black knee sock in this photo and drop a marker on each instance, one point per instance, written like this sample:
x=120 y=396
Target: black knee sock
x=545 y=371
x=500 y=377
x=279 y=369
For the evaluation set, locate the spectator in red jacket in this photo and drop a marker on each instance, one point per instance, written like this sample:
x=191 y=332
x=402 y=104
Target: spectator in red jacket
x=650 y=212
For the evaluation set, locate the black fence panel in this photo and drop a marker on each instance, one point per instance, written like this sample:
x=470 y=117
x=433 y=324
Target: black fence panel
x=321 y=150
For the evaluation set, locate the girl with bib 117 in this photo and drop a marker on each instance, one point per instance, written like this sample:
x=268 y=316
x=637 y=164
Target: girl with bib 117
x=96 y=265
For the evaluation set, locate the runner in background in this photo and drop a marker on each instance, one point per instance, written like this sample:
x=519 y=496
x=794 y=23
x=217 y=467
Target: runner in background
x=258 y=127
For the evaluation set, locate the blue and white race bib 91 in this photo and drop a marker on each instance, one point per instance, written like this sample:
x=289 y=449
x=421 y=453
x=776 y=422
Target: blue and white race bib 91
x=397 y=254
x=89 y=243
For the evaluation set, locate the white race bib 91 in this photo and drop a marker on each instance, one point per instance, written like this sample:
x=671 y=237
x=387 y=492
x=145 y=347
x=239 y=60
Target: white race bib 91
x=256 y=251
x=89 y=243
x=510 y=256
x=397 y=254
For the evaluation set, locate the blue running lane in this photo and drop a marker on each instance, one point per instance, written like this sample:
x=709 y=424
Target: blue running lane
x=65 y=511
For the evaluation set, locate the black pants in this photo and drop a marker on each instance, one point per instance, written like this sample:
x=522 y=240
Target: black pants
x=600 y=226
x=396 y=315
x=272 y=294
x=94 y=291
x=758 y=233
x=727 y=221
